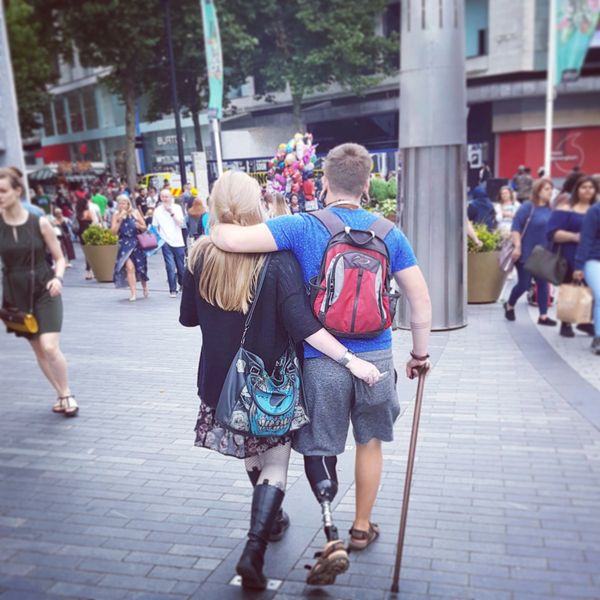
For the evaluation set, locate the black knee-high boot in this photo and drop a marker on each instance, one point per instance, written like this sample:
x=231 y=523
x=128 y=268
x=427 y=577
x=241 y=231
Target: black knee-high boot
x=266 y=501
x=282 y=521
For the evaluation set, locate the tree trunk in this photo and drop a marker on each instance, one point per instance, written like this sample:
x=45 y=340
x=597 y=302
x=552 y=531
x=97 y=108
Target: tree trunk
x=197 y=132
x=130 y=156
x=297 y=107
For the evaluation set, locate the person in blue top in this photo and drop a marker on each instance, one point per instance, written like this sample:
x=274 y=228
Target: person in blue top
x=333 y=398
x=528 y=230
x=564 y=229
x=587 y=263
x=481 y=209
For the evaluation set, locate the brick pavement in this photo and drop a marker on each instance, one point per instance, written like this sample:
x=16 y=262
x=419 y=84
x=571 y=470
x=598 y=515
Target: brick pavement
x=118 y=503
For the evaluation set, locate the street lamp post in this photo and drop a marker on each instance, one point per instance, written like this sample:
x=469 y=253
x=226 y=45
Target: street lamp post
x=433 y=119
x=11 y=145
x=175 y=98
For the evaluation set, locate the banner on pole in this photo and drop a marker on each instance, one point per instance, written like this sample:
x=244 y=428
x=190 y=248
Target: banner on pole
x=214 y=58
x=575 y=22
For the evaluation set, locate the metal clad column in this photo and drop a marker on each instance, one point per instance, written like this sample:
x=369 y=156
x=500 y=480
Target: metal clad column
x=11 y=147
x=432 y=139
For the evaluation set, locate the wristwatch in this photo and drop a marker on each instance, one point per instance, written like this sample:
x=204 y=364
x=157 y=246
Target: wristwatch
x=346 y=358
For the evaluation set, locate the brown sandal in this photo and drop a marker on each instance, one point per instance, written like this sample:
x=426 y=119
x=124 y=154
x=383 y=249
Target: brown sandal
x=359 y=539
x=331 y=562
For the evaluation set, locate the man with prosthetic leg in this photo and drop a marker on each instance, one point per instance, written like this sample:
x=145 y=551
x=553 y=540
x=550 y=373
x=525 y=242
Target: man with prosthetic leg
x=370 y=252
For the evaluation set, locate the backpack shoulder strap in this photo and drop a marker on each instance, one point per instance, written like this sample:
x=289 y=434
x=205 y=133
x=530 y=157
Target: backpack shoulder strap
x=381 y=227
x=331 y=221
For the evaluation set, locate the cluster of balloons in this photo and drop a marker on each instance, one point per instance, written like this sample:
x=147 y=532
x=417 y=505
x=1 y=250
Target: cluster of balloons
x=293 y=163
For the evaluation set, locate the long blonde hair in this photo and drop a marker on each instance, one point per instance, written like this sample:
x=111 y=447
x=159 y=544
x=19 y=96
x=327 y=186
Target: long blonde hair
x=279 y=207
x=228 y=280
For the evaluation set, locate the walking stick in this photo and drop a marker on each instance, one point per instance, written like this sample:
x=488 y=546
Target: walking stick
x=409 y=470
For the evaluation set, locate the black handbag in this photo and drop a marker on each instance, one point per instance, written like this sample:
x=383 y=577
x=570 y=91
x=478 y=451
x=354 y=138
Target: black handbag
x=254 y=402
x=19 y=320
x=547 y=265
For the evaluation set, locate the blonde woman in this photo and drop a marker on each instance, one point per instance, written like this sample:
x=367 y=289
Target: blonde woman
x=217 y=292
x=278 y=206
x=131 y=265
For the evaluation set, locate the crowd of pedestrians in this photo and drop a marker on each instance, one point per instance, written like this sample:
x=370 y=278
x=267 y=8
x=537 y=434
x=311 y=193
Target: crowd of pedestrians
x=534 y=213
x=243 y=261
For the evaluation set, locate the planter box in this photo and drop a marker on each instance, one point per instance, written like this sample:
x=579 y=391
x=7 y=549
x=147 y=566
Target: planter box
x=102 y=261
x=485 y=279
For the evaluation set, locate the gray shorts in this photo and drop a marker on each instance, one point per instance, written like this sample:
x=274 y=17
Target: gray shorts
x=334 y=398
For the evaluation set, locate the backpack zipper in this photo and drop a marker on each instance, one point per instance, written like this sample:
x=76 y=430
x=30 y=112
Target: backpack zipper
x=355 y=307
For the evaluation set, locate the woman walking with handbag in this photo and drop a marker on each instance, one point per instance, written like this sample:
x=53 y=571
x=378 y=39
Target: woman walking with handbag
x=587 y=264
x=31 y=302
x=564 y=229
x=529 y=230
x=250 y=309
x=131 y=265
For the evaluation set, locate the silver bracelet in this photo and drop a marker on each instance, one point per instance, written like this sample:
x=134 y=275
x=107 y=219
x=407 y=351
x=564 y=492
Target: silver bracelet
x=346 y=358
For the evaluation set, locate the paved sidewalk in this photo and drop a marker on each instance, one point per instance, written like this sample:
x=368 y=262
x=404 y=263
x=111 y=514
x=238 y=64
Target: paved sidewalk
x=118 y=504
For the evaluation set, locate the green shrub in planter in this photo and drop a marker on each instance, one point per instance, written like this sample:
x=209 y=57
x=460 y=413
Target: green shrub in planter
x=392 y=185
x=95 y=235
x=378 y=190
x=491 y=240
x=387 y=207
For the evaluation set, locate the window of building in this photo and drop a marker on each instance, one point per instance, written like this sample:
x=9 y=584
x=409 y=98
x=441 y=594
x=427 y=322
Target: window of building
x=49 y=129
x=476 y=27
x=88 y=97
x=61 y=115
x=75 y=112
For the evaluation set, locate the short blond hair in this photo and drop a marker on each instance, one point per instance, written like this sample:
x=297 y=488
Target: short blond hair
x=348 y=168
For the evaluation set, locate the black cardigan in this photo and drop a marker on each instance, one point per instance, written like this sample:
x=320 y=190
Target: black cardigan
x=282 y=311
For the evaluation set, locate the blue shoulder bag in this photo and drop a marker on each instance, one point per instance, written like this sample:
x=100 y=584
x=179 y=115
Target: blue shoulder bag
x=252 y=401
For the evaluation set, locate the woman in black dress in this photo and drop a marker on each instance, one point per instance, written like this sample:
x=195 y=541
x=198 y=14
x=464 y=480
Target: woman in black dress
x=217 y=293
x=19 y=232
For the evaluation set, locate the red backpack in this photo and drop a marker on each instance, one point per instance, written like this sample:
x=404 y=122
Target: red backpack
x=351 y=295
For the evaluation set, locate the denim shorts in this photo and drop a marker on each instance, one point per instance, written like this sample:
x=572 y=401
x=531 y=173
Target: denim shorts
x=334 y=397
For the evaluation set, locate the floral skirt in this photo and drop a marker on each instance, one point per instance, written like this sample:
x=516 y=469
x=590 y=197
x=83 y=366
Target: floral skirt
x=211 y=435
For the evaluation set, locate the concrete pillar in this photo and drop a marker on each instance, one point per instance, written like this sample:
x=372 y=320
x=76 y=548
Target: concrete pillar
x=11 y=146
x=432 y=140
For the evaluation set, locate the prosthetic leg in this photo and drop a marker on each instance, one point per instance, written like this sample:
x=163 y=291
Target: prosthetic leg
x=333 y=560
x=321 y=474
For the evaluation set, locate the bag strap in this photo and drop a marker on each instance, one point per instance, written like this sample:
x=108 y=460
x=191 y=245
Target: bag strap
x=32 y=270
x=259 y=285
x=528 y=220
x=332 y=222
x=381 y=227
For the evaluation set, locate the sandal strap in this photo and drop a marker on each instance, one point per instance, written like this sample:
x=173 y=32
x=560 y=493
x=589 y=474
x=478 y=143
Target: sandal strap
x=360 y=534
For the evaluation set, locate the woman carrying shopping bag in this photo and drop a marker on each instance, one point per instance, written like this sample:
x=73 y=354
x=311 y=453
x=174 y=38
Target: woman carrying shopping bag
x=529 y=231
x=564 y=229
x=246 y=303
x=587 y=264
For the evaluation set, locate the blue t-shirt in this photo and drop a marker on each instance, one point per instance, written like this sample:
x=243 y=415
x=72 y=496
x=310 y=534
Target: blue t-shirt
x=564 y=220
x=307 y=238
x=536 y=230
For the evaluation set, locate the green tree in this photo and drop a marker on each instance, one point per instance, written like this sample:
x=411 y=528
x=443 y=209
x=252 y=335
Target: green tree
x=122 y=35
x=310 y=45
x=190 y=61
x=33 y=65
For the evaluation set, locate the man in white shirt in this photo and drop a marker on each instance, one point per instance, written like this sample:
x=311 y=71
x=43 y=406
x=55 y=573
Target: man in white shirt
x=168 y=220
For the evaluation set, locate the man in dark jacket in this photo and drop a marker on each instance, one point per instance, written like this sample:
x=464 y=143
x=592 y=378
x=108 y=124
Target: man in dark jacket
x=481 y=209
